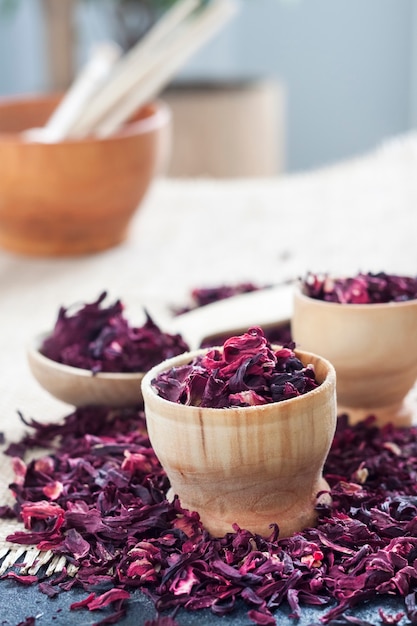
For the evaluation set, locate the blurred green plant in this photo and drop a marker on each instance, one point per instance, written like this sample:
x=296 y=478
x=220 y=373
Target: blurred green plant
x=7 y=5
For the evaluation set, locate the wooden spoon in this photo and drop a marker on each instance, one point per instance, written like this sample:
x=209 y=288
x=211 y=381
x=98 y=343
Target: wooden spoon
x=269 y=307
x=80 y=387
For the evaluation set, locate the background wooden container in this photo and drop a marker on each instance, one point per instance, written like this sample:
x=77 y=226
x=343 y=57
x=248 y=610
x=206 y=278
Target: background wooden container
x=74 y=197
x=227 y=129
x=373 y=348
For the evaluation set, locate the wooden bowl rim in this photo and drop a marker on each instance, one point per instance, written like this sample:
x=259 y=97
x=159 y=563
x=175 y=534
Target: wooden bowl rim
x=159 y=117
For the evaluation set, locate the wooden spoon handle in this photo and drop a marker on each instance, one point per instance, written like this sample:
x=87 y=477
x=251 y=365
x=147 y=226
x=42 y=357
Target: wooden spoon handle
x=264 y=307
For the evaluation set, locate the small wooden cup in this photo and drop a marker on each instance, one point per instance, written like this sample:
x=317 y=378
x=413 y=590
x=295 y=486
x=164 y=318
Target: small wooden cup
x=253 y=466
x=74 y=197
x=373 y=348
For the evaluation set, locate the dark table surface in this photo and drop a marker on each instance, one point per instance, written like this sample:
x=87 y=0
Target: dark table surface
x=18 y=602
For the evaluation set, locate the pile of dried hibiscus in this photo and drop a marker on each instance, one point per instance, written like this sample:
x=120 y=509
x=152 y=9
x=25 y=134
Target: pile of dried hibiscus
x=98 y=337
x=363 y=288
x=246 y=371
x=99 y=499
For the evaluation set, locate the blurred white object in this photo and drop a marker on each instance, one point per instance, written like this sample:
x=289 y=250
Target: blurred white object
x=94 y=105
x=95 y=72
x=133 y=66
x=166 y=62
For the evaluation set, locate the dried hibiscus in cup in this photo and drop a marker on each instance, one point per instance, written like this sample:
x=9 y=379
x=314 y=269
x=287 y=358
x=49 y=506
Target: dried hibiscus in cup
x=363 y=288
x=99 y=338
x=246 y=371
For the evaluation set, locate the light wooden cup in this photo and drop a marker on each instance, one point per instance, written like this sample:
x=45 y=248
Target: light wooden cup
x=373 y=348
x=80 y=387
x=74 y=197
x=253 y=466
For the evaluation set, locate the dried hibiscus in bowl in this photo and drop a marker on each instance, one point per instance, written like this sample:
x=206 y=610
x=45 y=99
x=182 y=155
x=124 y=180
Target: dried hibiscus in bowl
x=246 y=371
x=99 y=338
x=363 y=288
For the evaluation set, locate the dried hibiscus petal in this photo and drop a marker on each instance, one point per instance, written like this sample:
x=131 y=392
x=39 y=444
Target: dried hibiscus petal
x=246 y=371
x=363 y=547
x=100 y=339
x=201 y=296
x=98 y=602
x=363 y=288
x=24 y=579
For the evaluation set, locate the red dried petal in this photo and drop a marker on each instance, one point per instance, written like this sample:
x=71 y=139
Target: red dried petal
x=246 y=372
x=124 y=533
x=107 y=598
x=82 y=603
x=361 y=289
x=100 y=339
x=24 y=579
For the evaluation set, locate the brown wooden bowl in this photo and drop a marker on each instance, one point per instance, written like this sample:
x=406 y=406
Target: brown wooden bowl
x=253 y=466
x=74 y=197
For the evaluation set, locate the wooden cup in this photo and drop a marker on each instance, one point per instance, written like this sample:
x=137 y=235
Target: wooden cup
x=253 y=466
x=373 y=348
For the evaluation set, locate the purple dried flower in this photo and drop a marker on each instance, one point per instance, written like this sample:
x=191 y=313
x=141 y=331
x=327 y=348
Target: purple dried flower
x=99 y=602
x=101 y=339
x=361 y=289
x=201 y=296
x=48 y=589
x=24 y=579
x=364 y=546
x=246 y=372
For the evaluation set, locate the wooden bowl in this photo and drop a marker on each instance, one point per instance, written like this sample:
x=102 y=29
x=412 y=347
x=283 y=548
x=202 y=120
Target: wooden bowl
x=253 y=466
x=373 y=348
x=80 y=387
x=74 y=197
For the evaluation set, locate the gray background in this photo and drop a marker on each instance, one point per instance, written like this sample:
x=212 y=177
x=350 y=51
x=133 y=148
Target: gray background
x=349 y=66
